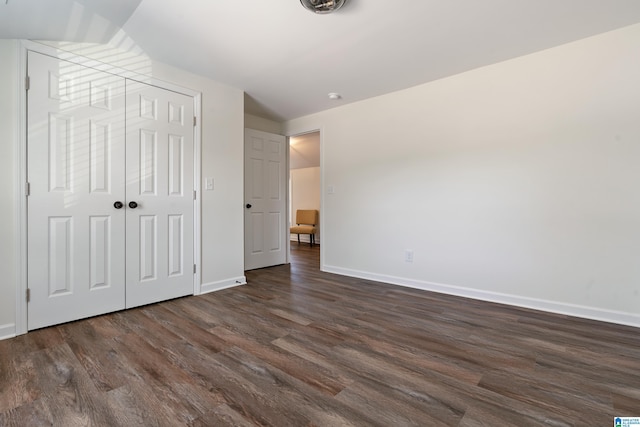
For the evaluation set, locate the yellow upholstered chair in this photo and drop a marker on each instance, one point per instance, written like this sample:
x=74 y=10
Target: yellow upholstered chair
x=307 y=221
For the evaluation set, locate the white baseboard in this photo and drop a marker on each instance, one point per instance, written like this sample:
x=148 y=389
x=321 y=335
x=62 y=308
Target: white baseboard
x=593 y=313
x=222 y=284
x=7 y=331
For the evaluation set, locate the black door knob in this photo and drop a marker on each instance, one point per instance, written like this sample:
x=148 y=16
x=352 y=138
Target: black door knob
x=118 y=205
x=248 y=205
x=133 y=205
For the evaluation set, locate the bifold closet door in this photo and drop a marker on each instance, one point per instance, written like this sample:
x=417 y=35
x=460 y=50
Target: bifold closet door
x=75 y=169
x=160 y=195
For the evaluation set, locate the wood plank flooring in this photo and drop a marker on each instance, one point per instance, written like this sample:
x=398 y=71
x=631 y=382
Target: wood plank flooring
x=297 y=347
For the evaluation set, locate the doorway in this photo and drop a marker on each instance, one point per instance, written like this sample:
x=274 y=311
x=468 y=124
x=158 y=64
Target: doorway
x=304 y=186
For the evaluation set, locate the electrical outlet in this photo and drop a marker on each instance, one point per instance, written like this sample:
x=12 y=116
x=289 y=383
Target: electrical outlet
x=408 y=255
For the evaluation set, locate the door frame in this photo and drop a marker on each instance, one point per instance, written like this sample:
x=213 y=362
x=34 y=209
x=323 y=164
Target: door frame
x=21 y=189
x=291 y=133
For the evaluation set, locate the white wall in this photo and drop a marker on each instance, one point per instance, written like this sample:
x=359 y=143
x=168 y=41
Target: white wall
x=305 y=194
x=222 y=158
x=262 y=124
x=8 y=135
x=517 y=182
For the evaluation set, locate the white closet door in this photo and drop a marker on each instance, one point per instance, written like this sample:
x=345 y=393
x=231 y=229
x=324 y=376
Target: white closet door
x=160 y=182
x=75 y=149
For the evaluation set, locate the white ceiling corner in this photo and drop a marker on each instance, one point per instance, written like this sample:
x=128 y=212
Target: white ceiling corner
x=304 y=151
x=91 y=21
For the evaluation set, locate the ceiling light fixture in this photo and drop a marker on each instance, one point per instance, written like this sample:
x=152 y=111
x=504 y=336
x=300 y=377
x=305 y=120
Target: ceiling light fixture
x=334 y=96
x=323 y=6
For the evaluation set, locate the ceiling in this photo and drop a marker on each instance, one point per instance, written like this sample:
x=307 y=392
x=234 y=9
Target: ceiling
x=304 y=151
x=92 y=21
x=288 y=59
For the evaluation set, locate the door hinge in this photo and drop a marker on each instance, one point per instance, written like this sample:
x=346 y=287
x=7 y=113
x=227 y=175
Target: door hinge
x=27 y=189
x=194 y=194
x=194 y=269
x=28 y=295
x=27 y=83
x=194 y=120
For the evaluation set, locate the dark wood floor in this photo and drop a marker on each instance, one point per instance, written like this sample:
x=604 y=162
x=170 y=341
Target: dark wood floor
x=296 y=347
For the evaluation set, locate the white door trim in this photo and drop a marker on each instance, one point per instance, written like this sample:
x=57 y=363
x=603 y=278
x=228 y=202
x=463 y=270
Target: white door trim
x=197 y=202
x=21 y=199
x=21 y=164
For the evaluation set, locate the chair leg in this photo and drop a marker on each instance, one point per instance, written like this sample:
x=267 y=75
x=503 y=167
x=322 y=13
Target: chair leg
x=298 y=238
x=310 y=239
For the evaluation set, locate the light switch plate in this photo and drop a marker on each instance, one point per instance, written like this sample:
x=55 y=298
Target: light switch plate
x=208 y=184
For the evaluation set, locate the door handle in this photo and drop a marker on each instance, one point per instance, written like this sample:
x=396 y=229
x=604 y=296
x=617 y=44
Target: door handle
x=248 y=205
x=133 y=205
x=118 y=205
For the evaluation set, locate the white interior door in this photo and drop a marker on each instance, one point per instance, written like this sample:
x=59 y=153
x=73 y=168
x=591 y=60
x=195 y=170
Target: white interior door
x=160 y=260
x=265 y=219
x=75 y=145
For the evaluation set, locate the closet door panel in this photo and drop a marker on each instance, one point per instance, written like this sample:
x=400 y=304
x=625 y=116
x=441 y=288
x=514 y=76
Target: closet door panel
x=160 y=185
x=75 y=169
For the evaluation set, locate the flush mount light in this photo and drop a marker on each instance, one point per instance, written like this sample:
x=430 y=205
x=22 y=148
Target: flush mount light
x=334 y=96
x=323 y=6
